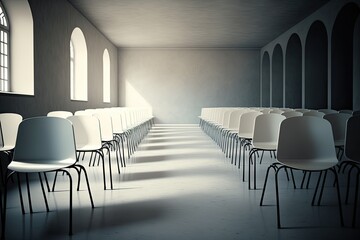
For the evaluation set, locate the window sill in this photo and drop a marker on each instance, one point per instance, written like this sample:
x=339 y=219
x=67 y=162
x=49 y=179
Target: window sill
x=17 y=93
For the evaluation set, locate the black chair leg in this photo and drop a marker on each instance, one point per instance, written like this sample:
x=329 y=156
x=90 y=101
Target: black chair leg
x=348 y=185
x=277 y=197
x=293 y=178
x=265 y=183
x=356 y=199
x=87 y=183
x=316 y=188
x=70 y=201
x=3 y=212
x=47 y=182
x=322 y=189
x=338 y=195
x=43 y=192
x=28 y=192
x=53 y=187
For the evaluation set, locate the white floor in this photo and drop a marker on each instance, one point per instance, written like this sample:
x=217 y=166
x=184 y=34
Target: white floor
x=179 y=185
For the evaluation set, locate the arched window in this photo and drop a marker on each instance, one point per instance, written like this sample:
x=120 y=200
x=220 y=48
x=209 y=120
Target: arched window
x=78 y=66
x=106 y=76
x=4 y=51
x=72 y=68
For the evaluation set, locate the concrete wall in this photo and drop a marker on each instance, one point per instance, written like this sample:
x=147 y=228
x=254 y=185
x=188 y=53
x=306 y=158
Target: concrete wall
x=54 y=21
x=177 y=83
x=328 y=79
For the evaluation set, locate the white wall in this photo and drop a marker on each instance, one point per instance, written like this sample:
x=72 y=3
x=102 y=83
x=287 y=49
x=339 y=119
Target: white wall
x=177 y=83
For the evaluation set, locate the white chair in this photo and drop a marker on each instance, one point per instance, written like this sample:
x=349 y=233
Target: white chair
x=233 y=130
x=107 y=138
x=120 y=134
x=306 y=144
x=314 y=113
x=356 y=113
x=82 y=112
x=245 y=134
x=265 y=138
x=60 y=114
x=44 y=144
x=9 y=123
x=348 y=111
x=327 y=111
x=292 y=114
x=302 y=110
x=88 y=138
x=338 y=123
x=266 y=110
x=277 y=111
x=352 y=158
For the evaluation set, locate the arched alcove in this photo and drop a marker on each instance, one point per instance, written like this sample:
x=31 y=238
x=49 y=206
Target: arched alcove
x=277 y=77
x=293 y=73
x=265 y=87
x=316 y=71
x=342 y=57
x=356 y=66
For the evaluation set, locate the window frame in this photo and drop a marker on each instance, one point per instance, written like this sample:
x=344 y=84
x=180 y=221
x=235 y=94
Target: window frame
x=5 y=80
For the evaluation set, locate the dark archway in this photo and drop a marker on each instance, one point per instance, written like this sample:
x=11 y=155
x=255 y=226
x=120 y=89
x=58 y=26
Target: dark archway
x=265 y=86
x=342 y=40
x=293 y=73
x=316 y=70
x=277 y=77
x=356 y=66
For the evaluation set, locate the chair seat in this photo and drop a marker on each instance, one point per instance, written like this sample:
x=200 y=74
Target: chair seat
x=39 y=167
x=87 y=147
x=246 y=135
x=302 y=164
x=265 y=145
x=6 y=148
x=339 y=143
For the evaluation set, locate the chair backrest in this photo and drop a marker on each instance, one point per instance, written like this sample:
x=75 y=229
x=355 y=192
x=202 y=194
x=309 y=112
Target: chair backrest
x=314 y=113
x=82 y=112
x=116 y=119
x=266 y=128
x=292 y=114
x=287 y=109
x=107 y=133
x=338 y=123
x=60 y=114
x=247 y=123
x=10 y=124
x=327 y=111
x=45 y=140
x=307 y=139
x=234 y=121
x=348 y=111
x=266 y=110
x=356 y=113
x=226 y=118
x=302 y=110
x=277 y=111
x=352 y=139
x=87 y=131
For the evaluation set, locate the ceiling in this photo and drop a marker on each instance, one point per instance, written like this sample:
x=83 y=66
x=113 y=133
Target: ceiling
x=195 y=23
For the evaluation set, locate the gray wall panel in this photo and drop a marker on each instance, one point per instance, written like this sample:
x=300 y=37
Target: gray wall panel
x=177 y=83
x=54 y=21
